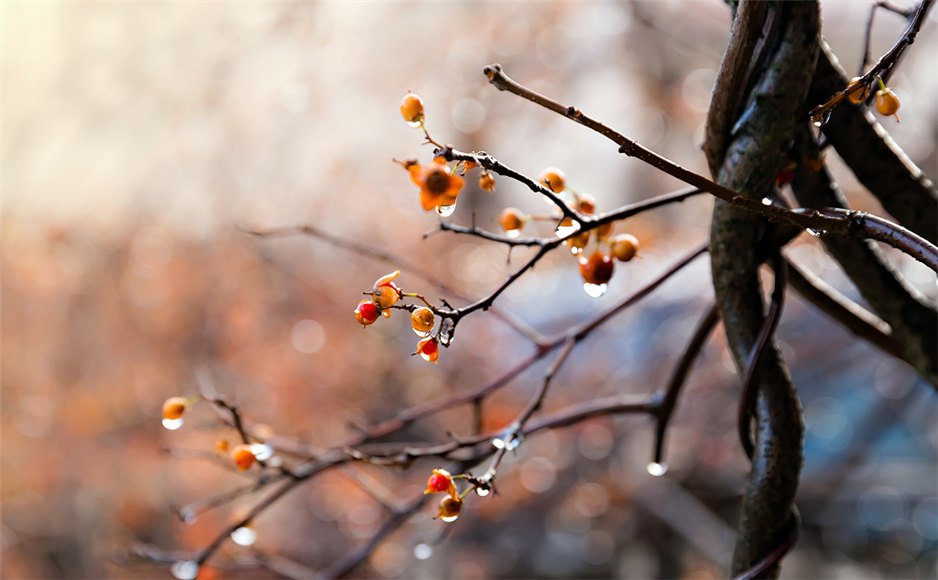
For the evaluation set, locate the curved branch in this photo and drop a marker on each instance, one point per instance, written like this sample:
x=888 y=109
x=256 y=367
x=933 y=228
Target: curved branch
x=749 y=165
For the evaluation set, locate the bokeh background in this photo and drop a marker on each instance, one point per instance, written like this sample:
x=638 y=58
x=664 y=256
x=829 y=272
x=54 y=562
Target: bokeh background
x=138 y=137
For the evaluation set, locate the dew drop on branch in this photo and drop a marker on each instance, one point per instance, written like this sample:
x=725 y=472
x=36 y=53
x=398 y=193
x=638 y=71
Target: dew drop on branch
x=657 y=469
x=595 y=290
x=172 y=424
x=244 y=536
x=449 y=518
x=445 y=210
x=821 y=119
x=512 y=233
x=262 y=451
x=482 y=491
x=185 y=569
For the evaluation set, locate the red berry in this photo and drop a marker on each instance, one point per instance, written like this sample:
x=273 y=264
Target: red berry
x=367 y=312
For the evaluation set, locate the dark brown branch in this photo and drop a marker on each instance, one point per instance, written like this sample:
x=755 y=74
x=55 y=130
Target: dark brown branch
x=830 y=221
x=665 y=409
x=848 y=314
x=913 y=323
x=878 y=163
x=744 y=415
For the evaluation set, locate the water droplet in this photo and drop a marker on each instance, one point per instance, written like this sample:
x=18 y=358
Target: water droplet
x=445 y=210
x=449 y=518
x=575 y=250
x=512 y=233
x=498 y=443
x=817 y=233
x=595 y=290
x=187 y=515
x=483 y=491
x=185 y=569
x=821 y=119
x=563 y=231
x=244 y=536
x=657 y=469
x=172 y=424
x=422 y=333
x=423 y=551
x=513 y=444
x=414 y=124
x=262 y=451
x=767 y=200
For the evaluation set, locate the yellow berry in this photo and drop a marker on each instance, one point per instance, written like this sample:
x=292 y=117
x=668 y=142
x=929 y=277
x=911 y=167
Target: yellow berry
x=887 y=103
x=174 y=407
x=624 y=247
x=412 y=109
x=554 y=179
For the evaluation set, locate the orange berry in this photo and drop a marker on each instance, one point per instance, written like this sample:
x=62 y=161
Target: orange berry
x=486 y=181
x=221 y=446
x=554 y=179
x=385 y=292
x=597 y=269
x=511 y=219
x=174 y=407
x=887 y=103
x=429 y=350
x=421 y=320
x=449 y=509
x=412 y=109
x=856 y=92
x=367 y=312
x=586 y=204
x=624 y=247
x=242 y=456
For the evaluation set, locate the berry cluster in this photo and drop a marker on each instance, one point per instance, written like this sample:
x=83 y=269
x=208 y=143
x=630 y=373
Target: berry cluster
x=597 y=267
x=385 y=295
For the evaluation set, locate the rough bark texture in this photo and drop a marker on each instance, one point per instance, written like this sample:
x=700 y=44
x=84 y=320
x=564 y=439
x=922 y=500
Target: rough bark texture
x=755 y=150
